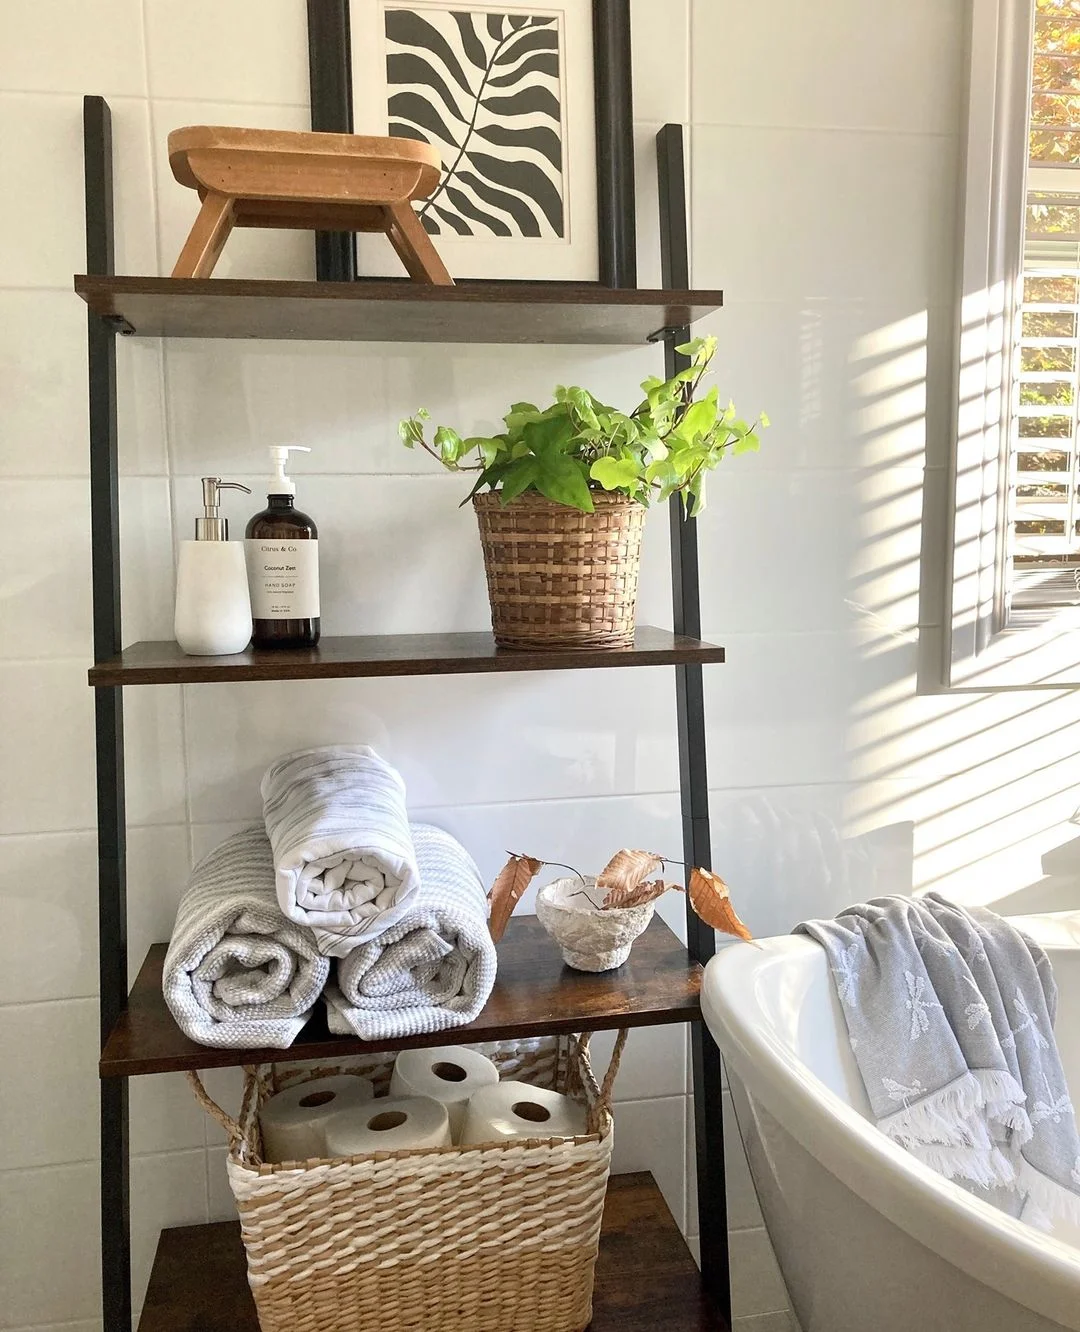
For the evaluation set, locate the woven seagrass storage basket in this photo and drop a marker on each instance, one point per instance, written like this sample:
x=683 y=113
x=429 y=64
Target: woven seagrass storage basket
x=496 y=1238
x=558 y=577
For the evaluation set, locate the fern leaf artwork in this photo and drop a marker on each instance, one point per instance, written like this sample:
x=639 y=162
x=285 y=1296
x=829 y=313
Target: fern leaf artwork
x=484 y=89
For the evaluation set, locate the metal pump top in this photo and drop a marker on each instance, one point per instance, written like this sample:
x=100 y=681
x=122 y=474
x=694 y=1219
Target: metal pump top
x=211 y=526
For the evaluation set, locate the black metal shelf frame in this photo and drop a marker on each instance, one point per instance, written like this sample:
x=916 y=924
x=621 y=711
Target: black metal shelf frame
x=109 y=731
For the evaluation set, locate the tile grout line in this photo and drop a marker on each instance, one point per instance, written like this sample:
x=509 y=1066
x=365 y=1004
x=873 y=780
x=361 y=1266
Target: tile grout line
x=96 y=1160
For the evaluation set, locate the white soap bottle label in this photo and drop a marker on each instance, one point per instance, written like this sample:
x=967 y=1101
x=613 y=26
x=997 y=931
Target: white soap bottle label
x=284 y=579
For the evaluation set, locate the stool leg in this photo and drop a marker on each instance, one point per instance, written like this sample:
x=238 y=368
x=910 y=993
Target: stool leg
x=414 y=247
x=207 y=238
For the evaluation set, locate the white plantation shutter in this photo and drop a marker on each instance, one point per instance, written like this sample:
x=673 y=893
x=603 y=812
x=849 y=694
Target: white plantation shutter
x=1043 y=510
x=1044 y=515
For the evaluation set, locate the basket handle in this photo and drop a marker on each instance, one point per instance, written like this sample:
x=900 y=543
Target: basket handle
x=603 y=1102
x=230 y=1125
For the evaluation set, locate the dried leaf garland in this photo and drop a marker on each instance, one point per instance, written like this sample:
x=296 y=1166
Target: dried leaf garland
x=506 y=892
x=711 y=901
x=625 y=883
x=625 y=871
x=620 y=898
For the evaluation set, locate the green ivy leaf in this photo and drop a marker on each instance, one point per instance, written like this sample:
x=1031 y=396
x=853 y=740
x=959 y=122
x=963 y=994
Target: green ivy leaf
x=411 y=430
x=583 y=403
x=551 y=434
x=616 y=473
x=489 y=447
x=516 y=421
x=563 y=480
x=518 y=477
x=489 y=477
x=700 y=417
x=449 y=445
x=663 y=475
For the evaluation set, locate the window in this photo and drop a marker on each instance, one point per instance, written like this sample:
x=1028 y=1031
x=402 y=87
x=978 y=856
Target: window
x=1044 y=520
x=1015 y=575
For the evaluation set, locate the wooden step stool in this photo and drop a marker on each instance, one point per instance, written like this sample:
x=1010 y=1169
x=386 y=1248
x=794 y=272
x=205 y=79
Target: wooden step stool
x=318 y=182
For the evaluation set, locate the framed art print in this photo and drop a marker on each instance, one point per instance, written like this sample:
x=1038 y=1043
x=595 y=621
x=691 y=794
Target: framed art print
x=528 y=106
x=504 y=92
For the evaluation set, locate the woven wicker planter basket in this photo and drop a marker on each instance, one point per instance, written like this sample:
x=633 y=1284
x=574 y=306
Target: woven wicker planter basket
x=498 y=1238
x=558 y=577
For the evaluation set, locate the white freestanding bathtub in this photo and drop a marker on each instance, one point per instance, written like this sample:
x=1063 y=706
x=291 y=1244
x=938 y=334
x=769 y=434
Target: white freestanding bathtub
x=868 y=1239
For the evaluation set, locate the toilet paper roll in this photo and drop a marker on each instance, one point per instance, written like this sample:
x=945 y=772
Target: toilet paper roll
x=293 y=1122
x=389 y=1124
x=451 y=1074
x=519 y=1110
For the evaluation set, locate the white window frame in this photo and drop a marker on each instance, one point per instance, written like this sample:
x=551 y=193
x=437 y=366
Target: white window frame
x=985 y=647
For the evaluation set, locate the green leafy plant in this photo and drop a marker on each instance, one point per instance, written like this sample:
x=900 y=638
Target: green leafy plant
x=667 y=445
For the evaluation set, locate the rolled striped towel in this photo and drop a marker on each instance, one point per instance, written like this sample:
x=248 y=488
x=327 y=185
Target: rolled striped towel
x=343 y=853
x=237 y=973
x=435 y=967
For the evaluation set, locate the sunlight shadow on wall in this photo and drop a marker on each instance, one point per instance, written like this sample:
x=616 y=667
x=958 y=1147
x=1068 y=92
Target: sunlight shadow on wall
x=989 y=781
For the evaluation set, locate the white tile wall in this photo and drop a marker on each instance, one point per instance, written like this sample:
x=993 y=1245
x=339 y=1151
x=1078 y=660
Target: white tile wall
x=58 y=47
x=841 y=65
x=823 y=164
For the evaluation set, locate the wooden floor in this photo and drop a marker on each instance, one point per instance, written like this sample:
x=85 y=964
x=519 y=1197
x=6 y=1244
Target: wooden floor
x=646 y=1278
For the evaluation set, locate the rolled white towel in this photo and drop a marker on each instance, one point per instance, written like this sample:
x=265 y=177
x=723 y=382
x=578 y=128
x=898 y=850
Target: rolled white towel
x=237 y=973
x=435 y=968
x=343 y=853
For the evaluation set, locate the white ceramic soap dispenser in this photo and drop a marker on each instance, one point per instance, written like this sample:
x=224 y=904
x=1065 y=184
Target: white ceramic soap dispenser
x=213 y=607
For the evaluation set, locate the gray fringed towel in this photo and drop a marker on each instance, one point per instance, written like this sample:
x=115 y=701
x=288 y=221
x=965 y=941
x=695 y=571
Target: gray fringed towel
x=950 y=1013
x=431 y=970
x=237 y=972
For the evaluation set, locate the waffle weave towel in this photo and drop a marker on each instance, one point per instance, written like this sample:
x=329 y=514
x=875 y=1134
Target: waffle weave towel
x=435 y=967
x=344 y=857
x=237 y=973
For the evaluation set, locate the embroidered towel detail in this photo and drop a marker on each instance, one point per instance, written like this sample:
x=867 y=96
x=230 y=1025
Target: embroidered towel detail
x=237 y=973
x=950 y=1014
x=435 y=967
x=345 y=862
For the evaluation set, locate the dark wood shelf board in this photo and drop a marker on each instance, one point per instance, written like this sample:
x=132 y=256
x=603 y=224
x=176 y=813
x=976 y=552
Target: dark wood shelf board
x=393 y=311
x=535 y=994
x=390 y=654
x=646 y=1278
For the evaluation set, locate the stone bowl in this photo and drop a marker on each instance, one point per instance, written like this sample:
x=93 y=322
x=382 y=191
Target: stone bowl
x=590 y=939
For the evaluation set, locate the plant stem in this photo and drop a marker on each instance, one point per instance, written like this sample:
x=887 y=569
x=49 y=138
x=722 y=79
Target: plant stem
x=559 y=865
x=450 y=467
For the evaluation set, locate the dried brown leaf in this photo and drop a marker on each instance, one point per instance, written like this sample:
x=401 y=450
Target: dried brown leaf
x=711 y=900
x=506 y=892
x=620 y=898
x=627 y=870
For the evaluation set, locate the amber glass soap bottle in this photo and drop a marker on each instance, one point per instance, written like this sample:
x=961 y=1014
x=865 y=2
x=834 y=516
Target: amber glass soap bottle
x=283 y=565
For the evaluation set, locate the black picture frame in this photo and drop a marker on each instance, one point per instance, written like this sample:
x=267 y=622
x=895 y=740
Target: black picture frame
x=330 y=70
